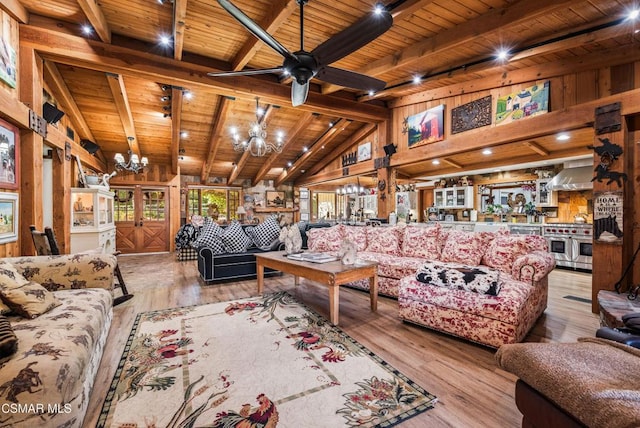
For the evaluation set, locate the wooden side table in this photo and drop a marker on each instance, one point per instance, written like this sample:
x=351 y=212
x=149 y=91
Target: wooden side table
x=613 y=306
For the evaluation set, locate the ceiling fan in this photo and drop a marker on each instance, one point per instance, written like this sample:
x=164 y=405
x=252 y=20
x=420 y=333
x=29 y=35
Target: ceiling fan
x=303 y=65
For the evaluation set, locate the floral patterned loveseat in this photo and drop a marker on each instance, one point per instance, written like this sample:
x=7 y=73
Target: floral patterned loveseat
x=425 y=268
x=47 y=381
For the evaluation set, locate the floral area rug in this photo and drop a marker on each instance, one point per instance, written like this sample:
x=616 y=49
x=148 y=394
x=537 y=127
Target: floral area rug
x=260 y=362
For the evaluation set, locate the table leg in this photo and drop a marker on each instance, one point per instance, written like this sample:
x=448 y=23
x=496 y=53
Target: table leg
x=260 y=275
x=296 y=280
x=334 y=303
x=373 y=292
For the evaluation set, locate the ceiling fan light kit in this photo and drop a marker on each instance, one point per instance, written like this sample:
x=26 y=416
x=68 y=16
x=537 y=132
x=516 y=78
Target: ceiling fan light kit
x=302 y=66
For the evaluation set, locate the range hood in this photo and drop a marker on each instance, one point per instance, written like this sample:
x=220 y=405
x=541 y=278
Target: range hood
x=573 y=177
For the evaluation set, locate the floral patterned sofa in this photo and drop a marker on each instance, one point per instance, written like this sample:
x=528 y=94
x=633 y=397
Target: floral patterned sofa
x=47 y=381
x=425 y=268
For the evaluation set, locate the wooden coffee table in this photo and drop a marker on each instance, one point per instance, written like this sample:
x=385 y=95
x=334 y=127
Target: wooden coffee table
x=331 y=274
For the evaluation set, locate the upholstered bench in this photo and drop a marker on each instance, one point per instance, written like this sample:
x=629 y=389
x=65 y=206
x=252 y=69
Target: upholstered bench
x=594 y=382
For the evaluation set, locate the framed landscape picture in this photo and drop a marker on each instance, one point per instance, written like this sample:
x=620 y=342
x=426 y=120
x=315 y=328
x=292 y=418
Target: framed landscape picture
x=8 y=217
x=426 y=127
x=275 y=199
x=8 y=63
x=529 y=102
x=9 y=160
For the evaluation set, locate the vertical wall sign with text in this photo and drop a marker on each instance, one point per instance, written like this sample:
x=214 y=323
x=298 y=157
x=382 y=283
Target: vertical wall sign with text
x=607 y=217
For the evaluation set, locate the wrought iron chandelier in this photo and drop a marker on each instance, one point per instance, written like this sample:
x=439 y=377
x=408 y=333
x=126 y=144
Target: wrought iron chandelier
x=257 y=143
x=134 y=164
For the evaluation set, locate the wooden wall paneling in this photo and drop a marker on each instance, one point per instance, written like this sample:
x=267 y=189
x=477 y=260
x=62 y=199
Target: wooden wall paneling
x=556 y=95
x=62 y=182
x=15 y=10
x=622 y=78
x=31 y=146
x=570 y=97
x=634 y=151
x=587 y=86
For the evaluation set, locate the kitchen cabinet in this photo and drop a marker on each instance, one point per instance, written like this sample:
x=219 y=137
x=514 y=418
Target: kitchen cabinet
x=544 y=197
x=92 y=225
x=453 y=197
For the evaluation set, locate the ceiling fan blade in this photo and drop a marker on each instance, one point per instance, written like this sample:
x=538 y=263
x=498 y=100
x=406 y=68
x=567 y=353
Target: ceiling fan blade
x=299 y=93
x=352 y=38
x=350 y=79
x=246 y=72
x=255 y=29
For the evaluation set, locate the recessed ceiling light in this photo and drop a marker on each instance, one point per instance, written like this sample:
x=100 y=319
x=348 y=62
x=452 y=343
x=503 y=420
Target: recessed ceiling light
x=379 y=9
x=289 y=164
x=563 y=137
x=435 y=162
x=87 y=29
x=417 y=79
x=184 y=134
x=502 y=54
x=165 y=40
x=371 y=93
x=634 y=14
x=187 y=95
x=487 y=152
x=304 y=149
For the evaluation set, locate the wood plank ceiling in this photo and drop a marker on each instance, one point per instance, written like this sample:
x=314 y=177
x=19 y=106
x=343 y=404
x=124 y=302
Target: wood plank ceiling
x=450 y=43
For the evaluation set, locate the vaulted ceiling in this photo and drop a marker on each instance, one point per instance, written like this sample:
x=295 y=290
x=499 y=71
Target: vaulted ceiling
x=111 y=82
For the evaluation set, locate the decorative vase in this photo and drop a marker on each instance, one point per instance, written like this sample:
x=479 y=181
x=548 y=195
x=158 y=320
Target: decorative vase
x=348 y=252
x=292 y=239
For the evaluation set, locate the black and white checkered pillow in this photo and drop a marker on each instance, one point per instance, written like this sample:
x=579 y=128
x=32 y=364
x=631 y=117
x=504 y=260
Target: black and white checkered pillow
x=217 y=247
x=209 y=236
x=234 y=239
x=265 y=233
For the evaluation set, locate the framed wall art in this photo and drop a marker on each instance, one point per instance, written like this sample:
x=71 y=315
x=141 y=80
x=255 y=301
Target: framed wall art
x=471 y=115
x=8 y=217
x=9 y=63
x=275 y=199
x=364 y=151
x=608 y=216
x=529 y=102
x=9 y=151
x=426 y=127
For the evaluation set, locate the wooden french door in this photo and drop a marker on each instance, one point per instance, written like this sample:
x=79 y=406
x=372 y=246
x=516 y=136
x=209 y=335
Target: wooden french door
x=142 y=219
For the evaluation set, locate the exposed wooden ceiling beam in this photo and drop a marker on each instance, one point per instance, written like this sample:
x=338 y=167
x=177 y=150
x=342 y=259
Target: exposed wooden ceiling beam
x=95 y=55
x=93 y=12
x=279 y=12
x=362 y=133
x=317 y=146
x=452 y=163
x=214 y=138
x=63 y=96
x=121 y=100
x=300 y=127
x=536 y=148
x=246 y=154
x=501 y=78
x=176 y=119
x=179 y=26
x=407 y=8
x=489 y=24
x=16 y=10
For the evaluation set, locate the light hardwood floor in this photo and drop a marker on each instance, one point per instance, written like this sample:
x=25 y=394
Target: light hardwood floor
x=471 y=390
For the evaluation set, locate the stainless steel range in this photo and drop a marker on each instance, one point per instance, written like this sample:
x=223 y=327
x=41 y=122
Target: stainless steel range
x=570 y=243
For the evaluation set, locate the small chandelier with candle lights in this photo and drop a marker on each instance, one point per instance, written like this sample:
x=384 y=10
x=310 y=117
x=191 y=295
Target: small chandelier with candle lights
x=134 y=164
x=257 y=143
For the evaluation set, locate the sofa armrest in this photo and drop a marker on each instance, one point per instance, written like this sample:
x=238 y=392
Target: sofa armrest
x=68 y=271
x=533 y=267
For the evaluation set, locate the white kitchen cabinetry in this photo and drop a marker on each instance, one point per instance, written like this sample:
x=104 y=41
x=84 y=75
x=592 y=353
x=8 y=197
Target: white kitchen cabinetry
x=453 y=197
x=544 y=197
x=92 y=224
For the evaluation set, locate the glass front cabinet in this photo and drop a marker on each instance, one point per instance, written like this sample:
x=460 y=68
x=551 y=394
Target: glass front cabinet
x=92 y=224
x=453 y=197
x=545 y=197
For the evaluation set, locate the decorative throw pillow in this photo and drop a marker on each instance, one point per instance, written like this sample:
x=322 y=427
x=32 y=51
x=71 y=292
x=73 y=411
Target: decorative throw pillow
x=24 y=297
x=234 y=239
x=209 y=234
x=357 y=235
x=504 y=250
x=478 y=279
x=265 y=233
x=384 y=240
x=8 y=339
x=464 y=247
x=325 y=238
x=187 y=234
x=421 y=242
